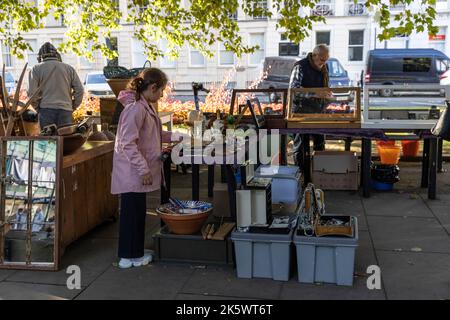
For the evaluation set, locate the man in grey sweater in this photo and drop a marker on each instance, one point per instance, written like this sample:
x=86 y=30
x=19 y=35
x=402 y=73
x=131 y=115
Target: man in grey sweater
x=61 y=93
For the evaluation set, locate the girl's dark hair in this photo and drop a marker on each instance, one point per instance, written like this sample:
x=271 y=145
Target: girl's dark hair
x=146 y=78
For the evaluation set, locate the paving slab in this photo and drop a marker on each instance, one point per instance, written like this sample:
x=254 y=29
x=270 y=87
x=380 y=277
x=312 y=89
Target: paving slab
x=415 y=275
x=223 y=282
x=27 y=291
x=365 y=254
x=4 y=274
x=293 y=290
x=443 y=199
x=442 y=213
x=93 y=256
x=394 y=204
x=397 y=233
x=149 y=282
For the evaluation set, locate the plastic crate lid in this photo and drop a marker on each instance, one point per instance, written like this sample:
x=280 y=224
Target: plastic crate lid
x=261 y=237
x=282 y=172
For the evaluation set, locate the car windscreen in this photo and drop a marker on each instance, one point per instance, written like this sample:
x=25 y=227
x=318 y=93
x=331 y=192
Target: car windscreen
x=335 y=69
x=96 y=79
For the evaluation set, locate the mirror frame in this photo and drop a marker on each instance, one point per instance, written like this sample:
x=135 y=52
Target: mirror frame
x=29 y=265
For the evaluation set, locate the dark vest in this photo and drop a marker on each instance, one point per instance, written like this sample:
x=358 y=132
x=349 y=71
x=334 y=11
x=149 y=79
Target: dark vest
x=311 y=77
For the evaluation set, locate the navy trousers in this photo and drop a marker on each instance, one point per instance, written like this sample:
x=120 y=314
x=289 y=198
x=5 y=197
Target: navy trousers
x=133 y=210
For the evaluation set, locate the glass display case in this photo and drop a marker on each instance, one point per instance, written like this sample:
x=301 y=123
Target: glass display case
x=269 y=106
x=324 y=107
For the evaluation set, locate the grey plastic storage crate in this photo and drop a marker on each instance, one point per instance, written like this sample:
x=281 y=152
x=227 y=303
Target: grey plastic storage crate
x=326 y=259
x=263 y=255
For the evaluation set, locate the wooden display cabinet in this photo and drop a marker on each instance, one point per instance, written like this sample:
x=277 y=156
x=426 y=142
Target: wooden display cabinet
x=341 y=110
x=49 y=200
x=266 y=98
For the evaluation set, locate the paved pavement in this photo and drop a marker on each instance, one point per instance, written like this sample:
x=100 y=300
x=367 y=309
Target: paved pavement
x=405 y=234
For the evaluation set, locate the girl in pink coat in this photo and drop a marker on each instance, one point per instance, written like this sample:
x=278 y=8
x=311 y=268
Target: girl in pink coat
x=137 y=165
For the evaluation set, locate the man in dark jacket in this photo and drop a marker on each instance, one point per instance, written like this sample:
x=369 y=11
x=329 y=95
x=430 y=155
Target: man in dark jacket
x=310 y=72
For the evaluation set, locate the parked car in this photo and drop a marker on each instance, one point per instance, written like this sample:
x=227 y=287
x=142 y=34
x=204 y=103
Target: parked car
x=404 y=66
x=10 y=83
x=279 y=74
x=96 y=85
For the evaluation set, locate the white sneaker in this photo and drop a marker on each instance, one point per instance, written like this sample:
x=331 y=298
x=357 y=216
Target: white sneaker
x=125 y=263
x=142 y=261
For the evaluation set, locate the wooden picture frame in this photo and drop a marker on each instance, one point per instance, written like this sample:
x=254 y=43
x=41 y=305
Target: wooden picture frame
x=325 y=120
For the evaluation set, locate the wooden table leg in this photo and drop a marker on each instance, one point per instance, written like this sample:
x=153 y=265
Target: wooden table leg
x=306 y=158
x=231 y=183
x=432 y=187
x=165 y=192
x=366 y=161
x=440 y=168
x=425 y=163
x=283 y=149
x=195 y=182
x=223 y=173
x=211 y=180
x=348 y=143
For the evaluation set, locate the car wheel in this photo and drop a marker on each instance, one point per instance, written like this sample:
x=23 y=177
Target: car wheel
x=386 y=92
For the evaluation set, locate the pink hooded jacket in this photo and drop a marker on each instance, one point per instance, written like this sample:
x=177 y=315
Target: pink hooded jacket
x=137 y=149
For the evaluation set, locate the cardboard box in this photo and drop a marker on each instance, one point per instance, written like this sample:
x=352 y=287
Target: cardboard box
x=335 y=170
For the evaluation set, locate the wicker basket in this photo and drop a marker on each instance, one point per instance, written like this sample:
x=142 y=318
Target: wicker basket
x=118 y=85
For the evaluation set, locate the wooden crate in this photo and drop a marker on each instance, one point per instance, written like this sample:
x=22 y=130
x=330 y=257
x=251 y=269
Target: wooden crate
x=325 y=119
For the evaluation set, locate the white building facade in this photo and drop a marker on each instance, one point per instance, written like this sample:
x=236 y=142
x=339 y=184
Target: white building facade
x=350 y=31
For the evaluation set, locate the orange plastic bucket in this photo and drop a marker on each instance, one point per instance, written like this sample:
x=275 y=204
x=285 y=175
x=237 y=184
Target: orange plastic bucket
x=410 y=148
x=389 y=154
x=381 y=143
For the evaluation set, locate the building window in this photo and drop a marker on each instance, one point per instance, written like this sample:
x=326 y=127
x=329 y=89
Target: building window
x=357 y=8
x=323 y=37
x=226 y=58
x=257 y=39
x=165 y=61
x=355 y=45
x=196 y=58
x=33 y=53
x=287 y=48
x=324 y=8
x=6 y=55
x=233 y=16
x=139 y=57
x=263 y=5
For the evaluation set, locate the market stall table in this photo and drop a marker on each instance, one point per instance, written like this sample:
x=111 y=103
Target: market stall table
x=429 y=161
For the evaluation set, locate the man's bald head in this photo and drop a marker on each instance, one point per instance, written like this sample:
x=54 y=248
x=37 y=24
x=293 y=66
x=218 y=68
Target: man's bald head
x=320 y=55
